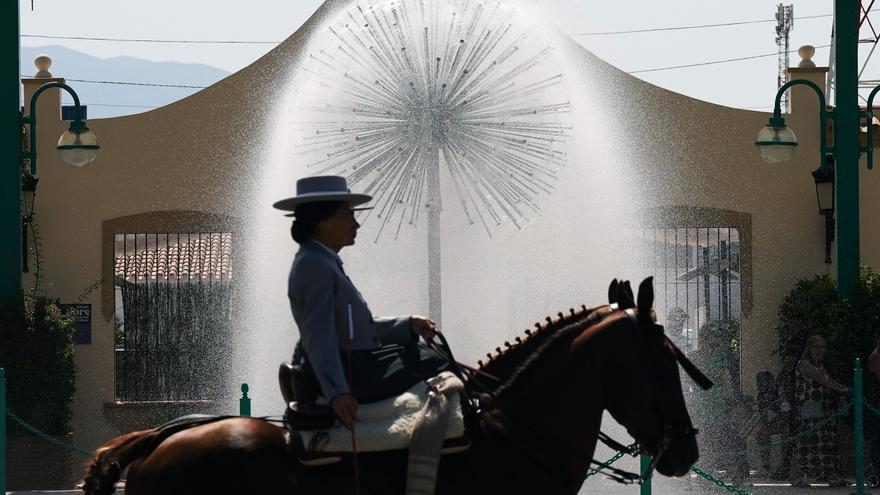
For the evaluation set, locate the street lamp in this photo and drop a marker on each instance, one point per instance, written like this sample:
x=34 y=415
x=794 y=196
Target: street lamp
x=77 y=146
x=777 y=143
x=823 y=177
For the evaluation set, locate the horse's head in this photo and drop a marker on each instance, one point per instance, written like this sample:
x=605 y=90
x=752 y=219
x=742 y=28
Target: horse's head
x=645 y=393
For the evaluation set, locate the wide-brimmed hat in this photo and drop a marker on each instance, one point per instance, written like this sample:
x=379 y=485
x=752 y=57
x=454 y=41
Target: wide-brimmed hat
x=322 y=188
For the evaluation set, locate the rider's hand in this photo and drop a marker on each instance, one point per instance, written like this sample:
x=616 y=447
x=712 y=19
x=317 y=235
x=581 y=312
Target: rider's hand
x=423 y=327
x=345 y=407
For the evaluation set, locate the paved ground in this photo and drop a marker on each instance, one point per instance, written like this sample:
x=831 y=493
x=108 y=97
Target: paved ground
x=662 y=486
x=695 y=485
x=687 y=486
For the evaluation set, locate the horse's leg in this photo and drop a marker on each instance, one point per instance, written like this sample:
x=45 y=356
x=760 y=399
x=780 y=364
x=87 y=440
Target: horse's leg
x=233 y=456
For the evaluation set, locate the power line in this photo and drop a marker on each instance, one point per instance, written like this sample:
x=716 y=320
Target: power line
x=144 y=40
x=127 y=83
x=90 y=104
x=254 y=42
x=699 y=26
x=711 y=62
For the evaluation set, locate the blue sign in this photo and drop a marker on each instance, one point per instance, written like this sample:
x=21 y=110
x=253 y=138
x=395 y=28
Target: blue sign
x=82 y=319
x=68 y=112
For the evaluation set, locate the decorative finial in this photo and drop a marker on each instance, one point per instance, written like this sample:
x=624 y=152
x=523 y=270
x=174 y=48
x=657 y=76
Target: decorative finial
x=43 y=62
x=806 y=53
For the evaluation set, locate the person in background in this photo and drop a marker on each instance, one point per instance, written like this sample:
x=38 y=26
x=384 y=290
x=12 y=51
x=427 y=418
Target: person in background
x=767 y=402
x=787 y=417
x=712 y=410
x=816 y=393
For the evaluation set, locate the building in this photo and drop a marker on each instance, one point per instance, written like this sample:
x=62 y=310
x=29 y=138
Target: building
x=184 y=192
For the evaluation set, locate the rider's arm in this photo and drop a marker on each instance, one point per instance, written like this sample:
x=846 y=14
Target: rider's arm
x=394 y=330
x=312 y=300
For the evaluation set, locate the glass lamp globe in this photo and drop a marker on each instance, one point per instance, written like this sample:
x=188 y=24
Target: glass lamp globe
x=776 y=143
x=78 y=147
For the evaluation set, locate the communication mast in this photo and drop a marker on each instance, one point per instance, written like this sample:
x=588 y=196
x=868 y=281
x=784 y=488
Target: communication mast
x=784 y=24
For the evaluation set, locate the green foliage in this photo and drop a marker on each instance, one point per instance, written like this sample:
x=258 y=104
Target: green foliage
x=36 y=349
x=850 y=326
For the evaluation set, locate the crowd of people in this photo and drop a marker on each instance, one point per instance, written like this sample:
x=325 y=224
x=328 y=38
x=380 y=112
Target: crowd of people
x=769 y=427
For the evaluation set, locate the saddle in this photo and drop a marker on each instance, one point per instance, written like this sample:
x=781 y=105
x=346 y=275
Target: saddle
x=318 y=438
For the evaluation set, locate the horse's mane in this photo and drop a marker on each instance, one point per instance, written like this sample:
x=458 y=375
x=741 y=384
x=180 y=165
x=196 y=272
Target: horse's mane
x=505 y=361
x=570 y=328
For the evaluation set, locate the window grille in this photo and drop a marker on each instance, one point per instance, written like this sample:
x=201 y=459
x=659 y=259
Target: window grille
x=697 y=281
x=173 y=318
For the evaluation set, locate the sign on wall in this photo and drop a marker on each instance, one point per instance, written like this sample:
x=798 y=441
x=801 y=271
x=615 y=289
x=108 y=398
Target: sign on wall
x=82 y=318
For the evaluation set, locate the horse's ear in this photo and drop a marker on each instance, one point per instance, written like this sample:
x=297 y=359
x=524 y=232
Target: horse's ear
x=625 y=295
x=612 y=292
x=646 y=297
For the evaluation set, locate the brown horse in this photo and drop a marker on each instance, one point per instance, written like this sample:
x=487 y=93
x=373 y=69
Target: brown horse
x=536 y=434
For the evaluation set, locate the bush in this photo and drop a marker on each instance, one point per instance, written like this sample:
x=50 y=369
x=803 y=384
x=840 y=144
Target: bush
x=849 y=326
x=36 y=349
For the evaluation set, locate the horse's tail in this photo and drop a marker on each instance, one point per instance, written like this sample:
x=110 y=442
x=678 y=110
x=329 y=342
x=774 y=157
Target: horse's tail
x=112 y=458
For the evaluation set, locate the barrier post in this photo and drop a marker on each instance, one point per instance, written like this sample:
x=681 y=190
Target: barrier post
x=645 y=488
x=244 y=404
x=2 y=431
x=859 y=428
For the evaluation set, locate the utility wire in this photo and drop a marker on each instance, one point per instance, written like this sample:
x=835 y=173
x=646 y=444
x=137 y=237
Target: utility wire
x=700 y=26
x=640 y=71
x=90 y=104
x=248 y=42
x=137 y=40
x=127 y=83
x=713 y=62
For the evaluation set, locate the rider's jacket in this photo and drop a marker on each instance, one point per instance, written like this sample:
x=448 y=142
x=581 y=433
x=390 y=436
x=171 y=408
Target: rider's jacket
x=328 y=309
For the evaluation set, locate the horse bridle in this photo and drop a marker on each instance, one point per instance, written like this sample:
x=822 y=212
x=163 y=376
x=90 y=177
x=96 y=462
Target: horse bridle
x=670 y=433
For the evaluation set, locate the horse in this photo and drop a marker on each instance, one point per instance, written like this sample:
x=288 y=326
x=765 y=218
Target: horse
x=535 y=431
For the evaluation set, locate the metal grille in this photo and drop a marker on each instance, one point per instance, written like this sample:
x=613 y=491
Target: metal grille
x=696 y=280
x=173 y=297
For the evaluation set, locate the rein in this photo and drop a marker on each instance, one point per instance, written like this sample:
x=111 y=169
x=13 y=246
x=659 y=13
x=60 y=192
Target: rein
x=469 y=375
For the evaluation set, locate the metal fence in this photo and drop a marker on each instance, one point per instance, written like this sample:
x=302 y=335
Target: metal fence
x=173 y=296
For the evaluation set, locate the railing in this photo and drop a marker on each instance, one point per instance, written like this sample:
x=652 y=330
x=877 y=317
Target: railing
x=857 y=405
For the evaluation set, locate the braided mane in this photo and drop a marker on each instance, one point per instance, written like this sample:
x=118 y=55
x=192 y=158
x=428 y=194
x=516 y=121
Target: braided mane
x=545 y=351
x=506 y=360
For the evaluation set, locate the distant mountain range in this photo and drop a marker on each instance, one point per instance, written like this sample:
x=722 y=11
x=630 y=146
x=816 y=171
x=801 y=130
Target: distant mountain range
x=111 y=100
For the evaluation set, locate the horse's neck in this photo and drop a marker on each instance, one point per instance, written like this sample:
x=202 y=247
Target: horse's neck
x=542 y=405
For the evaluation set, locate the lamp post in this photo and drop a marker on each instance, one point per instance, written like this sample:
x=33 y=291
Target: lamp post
x=10 y=142
x=777 y=143
x=77 y=146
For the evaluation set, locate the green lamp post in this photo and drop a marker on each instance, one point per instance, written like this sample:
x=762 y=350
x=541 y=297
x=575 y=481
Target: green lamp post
x=77 y=146
x=839 y=163
x=10 y=141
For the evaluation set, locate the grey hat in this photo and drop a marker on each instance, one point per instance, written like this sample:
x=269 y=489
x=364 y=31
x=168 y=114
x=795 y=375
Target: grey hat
x=322 y=188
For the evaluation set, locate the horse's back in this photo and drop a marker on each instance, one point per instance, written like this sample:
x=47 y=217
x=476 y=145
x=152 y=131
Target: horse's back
x=236 y=455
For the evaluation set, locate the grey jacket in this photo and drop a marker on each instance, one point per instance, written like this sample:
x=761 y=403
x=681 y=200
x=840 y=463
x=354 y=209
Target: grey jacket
x=320 y=294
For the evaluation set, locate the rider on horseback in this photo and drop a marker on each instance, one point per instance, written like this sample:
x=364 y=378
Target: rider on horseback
x=332 y=316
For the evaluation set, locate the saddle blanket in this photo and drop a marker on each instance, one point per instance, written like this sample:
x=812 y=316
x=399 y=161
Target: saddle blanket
x=388 y=424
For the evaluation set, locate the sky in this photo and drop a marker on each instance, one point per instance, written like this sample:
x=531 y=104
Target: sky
x=749 y=84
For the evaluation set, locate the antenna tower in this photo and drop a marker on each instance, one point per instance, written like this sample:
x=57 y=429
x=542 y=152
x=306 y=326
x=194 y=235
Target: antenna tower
x=784 y=25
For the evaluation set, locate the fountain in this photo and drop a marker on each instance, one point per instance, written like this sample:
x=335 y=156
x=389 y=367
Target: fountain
x=474 y=127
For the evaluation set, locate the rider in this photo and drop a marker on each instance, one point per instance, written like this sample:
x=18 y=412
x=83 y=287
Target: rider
x=332 y=316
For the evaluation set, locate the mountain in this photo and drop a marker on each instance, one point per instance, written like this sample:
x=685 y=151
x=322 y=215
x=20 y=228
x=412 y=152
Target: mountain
x=111 y=100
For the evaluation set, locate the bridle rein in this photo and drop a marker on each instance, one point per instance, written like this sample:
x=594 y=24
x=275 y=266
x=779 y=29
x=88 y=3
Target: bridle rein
x=670 y=432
